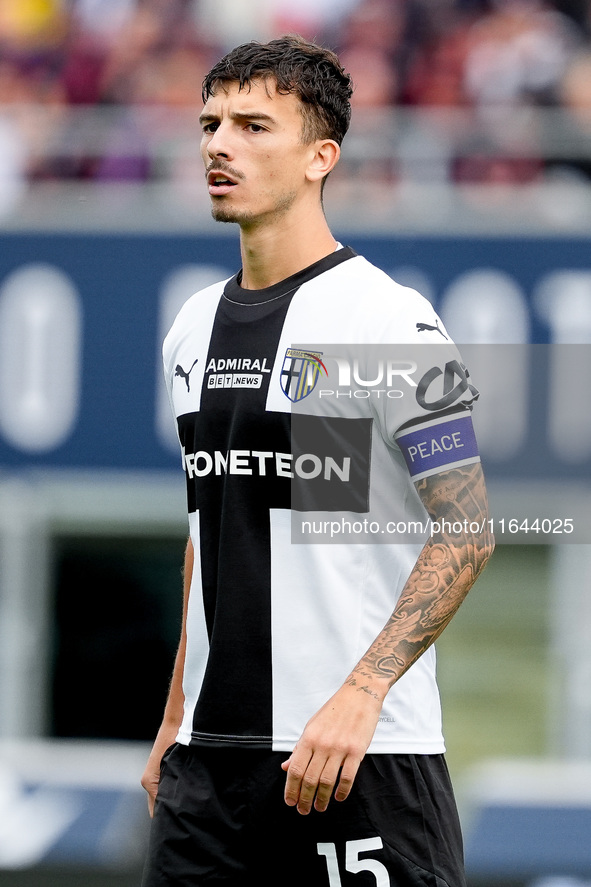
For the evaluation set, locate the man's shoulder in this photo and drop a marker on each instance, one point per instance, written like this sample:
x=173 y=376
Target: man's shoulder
x=361 y=276
x=372 y=306
x=193 y=312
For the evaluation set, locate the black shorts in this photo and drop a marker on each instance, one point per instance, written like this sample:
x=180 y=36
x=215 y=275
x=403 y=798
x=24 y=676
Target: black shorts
x=220 y=818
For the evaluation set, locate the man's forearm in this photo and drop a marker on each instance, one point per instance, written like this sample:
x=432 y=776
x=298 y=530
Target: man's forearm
x=173 y=712
x=443 y=574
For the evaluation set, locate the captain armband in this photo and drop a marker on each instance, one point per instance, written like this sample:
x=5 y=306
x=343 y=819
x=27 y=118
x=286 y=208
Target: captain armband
x=433 y=446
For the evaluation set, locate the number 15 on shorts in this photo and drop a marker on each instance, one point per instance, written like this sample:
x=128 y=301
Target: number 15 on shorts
x=352 y=861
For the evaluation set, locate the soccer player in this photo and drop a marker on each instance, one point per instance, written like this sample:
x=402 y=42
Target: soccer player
x=301 y=741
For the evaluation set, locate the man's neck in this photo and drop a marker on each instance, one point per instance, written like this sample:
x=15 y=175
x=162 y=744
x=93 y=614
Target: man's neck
x=271 y=253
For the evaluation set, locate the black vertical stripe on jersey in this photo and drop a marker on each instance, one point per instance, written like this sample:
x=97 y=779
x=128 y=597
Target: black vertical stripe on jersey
x=235 y=535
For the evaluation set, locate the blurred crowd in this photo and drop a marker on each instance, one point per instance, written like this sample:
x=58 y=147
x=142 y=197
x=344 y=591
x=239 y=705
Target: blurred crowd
x=140 y=63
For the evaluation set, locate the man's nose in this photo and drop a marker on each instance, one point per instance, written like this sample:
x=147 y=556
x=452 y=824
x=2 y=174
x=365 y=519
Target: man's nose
x=219 y=144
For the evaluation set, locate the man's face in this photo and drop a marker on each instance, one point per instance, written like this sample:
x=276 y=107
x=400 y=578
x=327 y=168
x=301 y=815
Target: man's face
x=252 y=149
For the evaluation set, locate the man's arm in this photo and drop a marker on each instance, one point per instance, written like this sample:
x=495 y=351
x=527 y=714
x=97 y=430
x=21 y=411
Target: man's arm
x=337 y=737
x=173 y=712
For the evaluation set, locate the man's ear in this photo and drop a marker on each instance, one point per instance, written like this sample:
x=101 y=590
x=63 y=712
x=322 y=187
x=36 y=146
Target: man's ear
x=324 y=160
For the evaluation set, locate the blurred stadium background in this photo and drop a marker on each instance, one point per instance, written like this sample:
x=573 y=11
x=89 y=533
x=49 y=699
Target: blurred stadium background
x=467 y=173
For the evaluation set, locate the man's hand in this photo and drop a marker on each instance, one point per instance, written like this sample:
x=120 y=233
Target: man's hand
x=151 y=777
x=334 y=741
x=150 y=780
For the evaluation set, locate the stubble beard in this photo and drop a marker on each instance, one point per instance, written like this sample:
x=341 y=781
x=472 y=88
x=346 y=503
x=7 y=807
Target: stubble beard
x=227 y=213
x=221 y=213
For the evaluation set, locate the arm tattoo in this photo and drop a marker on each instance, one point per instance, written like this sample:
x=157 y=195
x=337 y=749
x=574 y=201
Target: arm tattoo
x=443 y=574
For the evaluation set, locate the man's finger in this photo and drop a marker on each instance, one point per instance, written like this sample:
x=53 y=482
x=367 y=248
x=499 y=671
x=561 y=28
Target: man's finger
x=326 y=784
x=296 y=769
x=348 y=774
x=309 y=784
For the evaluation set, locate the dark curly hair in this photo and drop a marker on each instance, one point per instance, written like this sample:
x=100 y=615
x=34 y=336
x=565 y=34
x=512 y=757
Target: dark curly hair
x=310 y=72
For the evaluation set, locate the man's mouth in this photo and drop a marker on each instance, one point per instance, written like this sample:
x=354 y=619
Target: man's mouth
x=219 y=183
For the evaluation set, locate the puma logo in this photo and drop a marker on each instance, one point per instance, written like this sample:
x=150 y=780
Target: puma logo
x=179 y=371
x=427 y=326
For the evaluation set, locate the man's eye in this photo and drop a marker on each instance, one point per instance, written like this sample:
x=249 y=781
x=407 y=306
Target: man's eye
x=255 y=127
x=209 y=127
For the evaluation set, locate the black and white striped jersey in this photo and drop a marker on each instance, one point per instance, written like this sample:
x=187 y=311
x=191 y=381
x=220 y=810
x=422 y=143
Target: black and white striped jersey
x=302 y=427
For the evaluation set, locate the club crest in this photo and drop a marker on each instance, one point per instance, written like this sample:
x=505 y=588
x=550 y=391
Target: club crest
x=300 y=372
